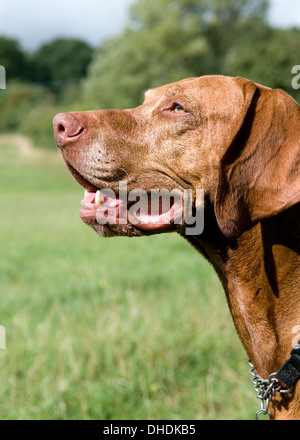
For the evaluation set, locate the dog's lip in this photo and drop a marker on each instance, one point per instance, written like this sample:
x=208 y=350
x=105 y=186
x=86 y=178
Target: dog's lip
x=80 y=179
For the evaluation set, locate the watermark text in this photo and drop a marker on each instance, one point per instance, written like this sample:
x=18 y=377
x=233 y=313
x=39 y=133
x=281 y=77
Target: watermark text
x=2 y=337
x=296 y=79
x=2 y=77
x=149 y=210
x=296 y=338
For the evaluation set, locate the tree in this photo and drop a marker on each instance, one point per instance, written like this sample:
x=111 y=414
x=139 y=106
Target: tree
x=168 y=40
x=13 y=59
x=61 y=60
x=268 y=60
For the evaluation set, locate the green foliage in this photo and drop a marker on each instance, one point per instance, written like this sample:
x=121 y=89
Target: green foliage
x=18 y=99
x=165 y=41
x=268 y=60
x=37 y=125
x=60 y=61
x=13 y=59
x=168 y=40
x=44 y=79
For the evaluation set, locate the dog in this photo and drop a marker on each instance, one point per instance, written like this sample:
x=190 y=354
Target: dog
x=238 y=142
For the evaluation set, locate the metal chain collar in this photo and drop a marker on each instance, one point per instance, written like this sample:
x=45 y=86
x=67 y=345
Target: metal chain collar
x=265 y=390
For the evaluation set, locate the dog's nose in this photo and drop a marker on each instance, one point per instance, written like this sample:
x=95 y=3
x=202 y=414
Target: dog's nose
x=67 y=128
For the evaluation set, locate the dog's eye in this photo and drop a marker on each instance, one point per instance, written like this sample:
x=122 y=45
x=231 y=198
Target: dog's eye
x=178 y=109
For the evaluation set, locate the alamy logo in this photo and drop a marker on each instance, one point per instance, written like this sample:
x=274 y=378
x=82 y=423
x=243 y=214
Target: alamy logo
x=155 y=209
x=2 y=77
x=296 y=338
x=296 y=79
x=2 y=337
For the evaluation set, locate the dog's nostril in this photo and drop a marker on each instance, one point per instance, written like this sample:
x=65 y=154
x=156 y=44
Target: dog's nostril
x=67 y=128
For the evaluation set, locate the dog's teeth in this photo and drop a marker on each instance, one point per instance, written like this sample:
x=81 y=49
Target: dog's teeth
x=98 y=198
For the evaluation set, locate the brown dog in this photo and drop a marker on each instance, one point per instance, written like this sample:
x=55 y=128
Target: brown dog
x=239 y=142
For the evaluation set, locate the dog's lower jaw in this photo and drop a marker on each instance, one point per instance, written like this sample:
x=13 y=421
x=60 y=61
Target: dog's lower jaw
x=107 y=231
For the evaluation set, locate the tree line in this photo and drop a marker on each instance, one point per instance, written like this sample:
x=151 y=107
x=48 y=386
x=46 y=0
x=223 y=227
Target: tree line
x=57 y=61
x=164 y=41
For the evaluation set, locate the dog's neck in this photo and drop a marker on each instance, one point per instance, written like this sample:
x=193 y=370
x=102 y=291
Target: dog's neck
x=260 y=273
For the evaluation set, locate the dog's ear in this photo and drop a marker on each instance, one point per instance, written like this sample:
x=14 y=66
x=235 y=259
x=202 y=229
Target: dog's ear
x=260 y=170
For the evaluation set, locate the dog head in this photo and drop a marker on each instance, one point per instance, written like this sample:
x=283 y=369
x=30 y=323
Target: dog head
x=232 y=139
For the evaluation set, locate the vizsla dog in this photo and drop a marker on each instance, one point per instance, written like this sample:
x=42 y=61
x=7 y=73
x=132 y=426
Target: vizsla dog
x=239 y=142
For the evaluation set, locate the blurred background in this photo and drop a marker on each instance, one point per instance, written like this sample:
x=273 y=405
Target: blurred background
x=116 y=328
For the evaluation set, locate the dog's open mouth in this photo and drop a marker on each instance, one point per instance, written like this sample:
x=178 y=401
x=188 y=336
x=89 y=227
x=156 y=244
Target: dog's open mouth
x=147 y=212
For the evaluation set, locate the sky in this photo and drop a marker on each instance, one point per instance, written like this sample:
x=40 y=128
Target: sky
x=35 y=22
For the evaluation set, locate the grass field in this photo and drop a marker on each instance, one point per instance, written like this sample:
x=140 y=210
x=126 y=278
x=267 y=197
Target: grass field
x=106 y=328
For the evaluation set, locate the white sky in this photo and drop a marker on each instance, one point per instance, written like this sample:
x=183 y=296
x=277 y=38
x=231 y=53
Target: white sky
x=34 y=22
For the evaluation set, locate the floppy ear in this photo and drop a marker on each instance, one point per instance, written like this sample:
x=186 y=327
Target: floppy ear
x=260 y=170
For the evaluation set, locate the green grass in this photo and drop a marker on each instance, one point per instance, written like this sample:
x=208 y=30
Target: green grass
x=118 y=328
